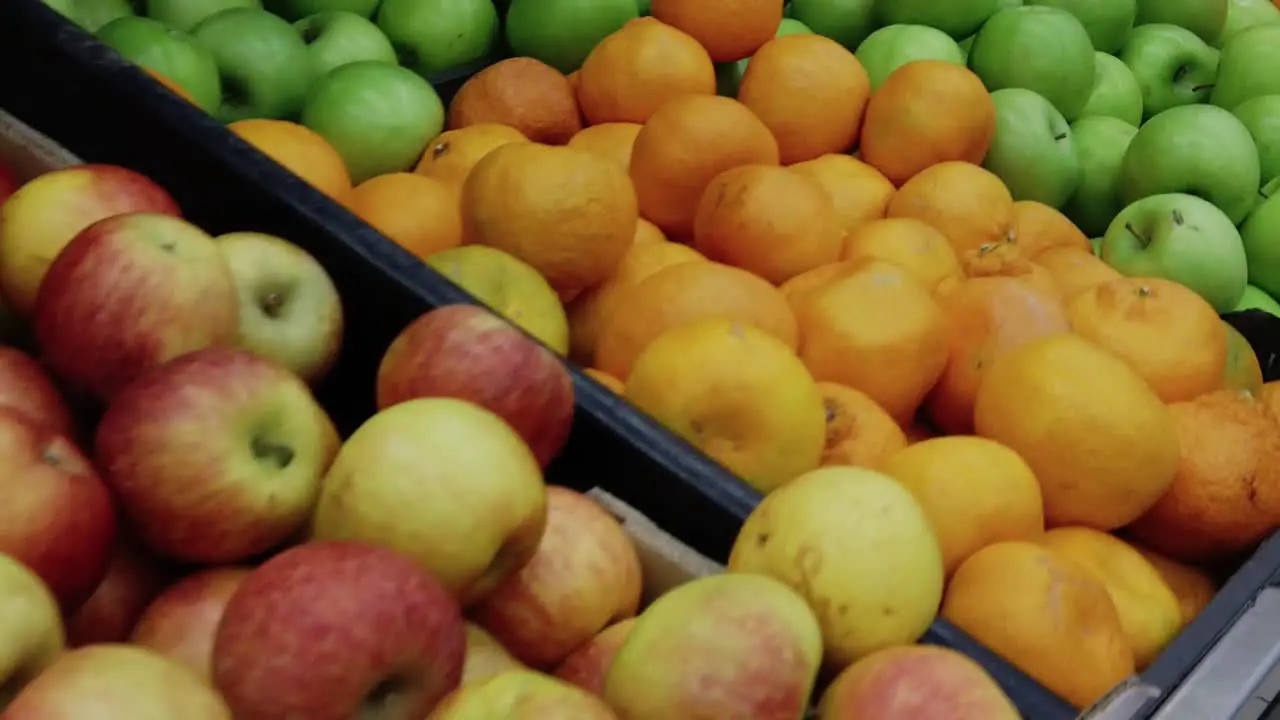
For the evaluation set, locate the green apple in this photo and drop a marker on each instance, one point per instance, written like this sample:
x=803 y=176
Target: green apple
x=1032 y=151
x=1254 y=298
x=1244 y=14
x=431 y=36
x=966 y=47
x=1101 y=142
x=1096 y=244
x=1182 y=238
x=1172 y=64
x=91 y=15
x=1205 y=18
x=1038 y=48
x=1261 y=233
x=1248 y=67
x=378 y=116
x=957 y=18
x=264 y=64
x=893 y=46
x=1006 y=4
x=1261 y=115
x=729 y=74
x=1202 y=150
x=561 y=33
x=1107 y=21
x=171 y=53
x=848 y=22
x=184 y=15
x=337 y=37
x=298 y=9
x=1116 y=92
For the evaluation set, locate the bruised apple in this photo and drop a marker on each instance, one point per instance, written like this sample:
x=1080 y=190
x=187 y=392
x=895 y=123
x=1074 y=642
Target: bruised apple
x=182 y=621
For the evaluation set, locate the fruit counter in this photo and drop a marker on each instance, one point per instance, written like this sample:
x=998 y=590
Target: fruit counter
x=1057 y=224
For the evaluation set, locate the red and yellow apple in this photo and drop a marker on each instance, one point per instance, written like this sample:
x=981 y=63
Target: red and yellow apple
x=182 y=621
x=27 y=388
x=31 y=633
x=133 y=578
x=485 y=656
x=522 y=695
x=588 y=665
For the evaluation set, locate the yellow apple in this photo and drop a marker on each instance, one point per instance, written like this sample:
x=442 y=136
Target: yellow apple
x=485 y=656
x=31 y=632
x=521 y=695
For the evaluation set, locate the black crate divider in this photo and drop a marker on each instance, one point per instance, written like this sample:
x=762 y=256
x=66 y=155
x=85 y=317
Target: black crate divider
x=64 y=83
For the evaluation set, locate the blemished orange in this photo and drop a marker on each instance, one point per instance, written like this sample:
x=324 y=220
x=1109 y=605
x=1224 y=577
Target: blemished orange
x=419 y=213
x=767 y=220
x=684 y=146
x=612 y=383
x=860 y=192
x=963 y=201
x=810 y=91
x=986 y=318
x=647 y=232
x=797 y=289
x=1005 y=259
x=588 y=310
x=1038 y=227
x=639 y=68
x=1193 y=586
x=1075 y=271
x=683 y=293
x=1166 y=331
x=453 y=153
x=911 y=244
x=730 y=30
x=925 y=113
x=738 y=394
x=1050 y=617
x=170 y=84
x=1242 y=372
x=610 y=141
x=1101 y=442
x=975 y=492
x=569 y=214
x=877 y=330
x=1225 y=497
x=300 y=149
x=521 y=92
x=859 y=432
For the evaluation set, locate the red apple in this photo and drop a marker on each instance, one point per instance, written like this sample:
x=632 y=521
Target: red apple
x=588 y=665
x=182 y=621
x=8 y=183
x=338 y=630
x=467 y=352
x=130 y=293
x=584 y=576
x=44 y=215
x=57 y=516
x=25 y=387
x=133 y=578
x=216 y=456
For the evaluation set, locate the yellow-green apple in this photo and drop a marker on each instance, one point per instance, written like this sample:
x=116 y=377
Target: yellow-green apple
x=959 y=18
x=27 y=388
x=1032 y=151
x=485 y=656
x=1201 y=150
x=133 y=578
x=290 y=310
x=338 y=630
x=58 y=516
x=216 y=456
x=588 y=665
x=749 y=636
x=1044 y=49
x=128 y=294
x=893 y=46
x=1261 y=236
x=1245 y=68
x=38 y=221
x=182 y=621
x=1182 y=238
x=31 y=633
x=584 y=576
x=1173 y=66
x=1245 y=14
x=1261 y=115
x=886 y=685
x=116 y=682
x=264 y=64
x=169 y=52
x=1205 y=18
x=519 y=695
x=1101 y=142
x=1108 y=22
x=419 y=475
x=1116 y=91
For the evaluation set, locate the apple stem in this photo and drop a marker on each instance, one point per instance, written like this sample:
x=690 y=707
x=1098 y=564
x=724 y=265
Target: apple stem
x=1060 y=136
x=271 y=304
x=1142 y=239
x=1200 y=88
x=1177 y=217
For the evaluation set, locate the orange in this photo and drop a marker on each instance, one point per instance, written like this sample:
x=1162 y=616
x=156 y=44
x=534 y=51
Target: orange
x=1048 y=616
x=1167 y=332
x=1225 y=497
x=569 y=214
x=300 y=149
x=913 y=245
x=453 y=153
x=860 y=192
x=684 y=146
x=925 y=113
x=1193 y=586
x=859 y=432
x=605 y=379
x=170 y=84
x=647 y=232
x=730 y=30
x=876 y=330
x=1005 y=259
x=968 y=204
x=797 y=289
x=680 y=294
x=1269 y=395
x=986 y=318
x=588 y=310
x=1103 y=445
x=610 y=141
x=1242 y=370
x=768 y=220
x=1038 y=227
x=1075 y=271
x=638 y=69
x=810 y=91
x=738 y=394
x=521 y=92
x=419 y=213
x=975 y=491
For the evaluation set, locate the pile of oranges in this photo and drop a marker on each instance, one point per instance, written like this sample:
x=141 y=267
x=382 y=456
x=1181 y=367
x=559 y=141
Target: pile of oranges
x=735 y=269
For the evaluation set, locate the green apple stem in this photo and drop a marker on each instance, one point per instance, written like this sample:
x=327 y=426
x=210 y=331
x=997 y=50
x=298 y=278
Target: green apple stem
x=276 y=453
x=1060 y=136
x=1201 y=88
x=1143 y=240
